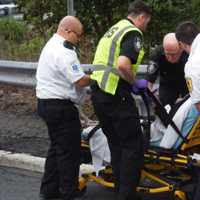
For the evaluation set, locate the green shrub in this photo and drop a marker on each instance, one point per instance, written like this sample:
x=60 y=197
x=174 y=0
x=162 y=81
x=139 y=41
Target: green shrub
x=12 y=30
x=30 y=49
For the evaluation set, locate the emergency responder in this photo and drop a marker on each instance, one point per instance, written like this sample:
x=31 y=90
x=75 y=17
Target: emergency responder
x=117 y=57
x=167 y=62
x=60 y=82
x=188 y=35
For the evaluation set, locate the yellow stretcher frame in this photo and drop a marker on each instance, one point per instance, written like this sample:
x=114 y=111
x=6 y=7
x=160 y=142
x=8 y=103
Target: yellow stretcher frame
x=193 y=137
x=160 y=161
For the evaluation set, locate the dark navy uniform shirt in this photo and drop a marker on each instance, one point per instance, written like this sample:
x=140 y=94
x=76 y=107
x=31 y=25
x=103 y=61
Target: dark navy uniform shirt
x=170 y=74
x=130 y=47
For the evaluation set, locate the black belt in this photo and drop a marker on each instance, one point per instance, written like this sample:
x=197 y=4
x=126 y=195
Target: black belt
x=56 y=101
x=122 y=90
x=122 y=86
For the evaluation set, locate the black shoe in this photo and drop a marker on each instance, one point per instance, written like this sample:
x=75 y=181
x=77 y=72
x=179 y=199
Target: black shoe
x=78 y=196
x=48 y=197
x=81 y=194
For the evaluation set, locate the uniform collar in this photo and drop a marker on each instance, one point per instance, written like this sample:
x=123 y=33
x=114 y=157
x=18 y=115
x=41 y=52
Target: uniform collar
x=59 y=37
x=69 y=45
x=130 y=21
x=66 y=43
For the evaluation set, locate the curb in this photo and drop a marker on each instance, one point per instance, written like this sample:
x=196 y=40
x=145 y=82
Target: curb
x=31 y=163
x=21 y=161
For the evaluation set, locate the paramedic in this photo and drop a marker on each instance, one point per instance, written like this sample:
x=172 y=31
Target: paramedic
x=168 y=62
x=60 y=82
x=119 y=53
x=188 y=35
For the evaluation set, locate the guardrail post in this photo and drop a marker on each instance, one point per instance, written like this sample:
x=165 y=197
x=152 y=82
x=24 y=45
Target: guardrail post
x=70 y=7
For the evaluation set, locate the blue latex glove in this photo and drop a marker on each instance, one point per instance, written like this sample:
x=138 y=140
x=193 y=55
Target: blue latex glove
x=139 y=85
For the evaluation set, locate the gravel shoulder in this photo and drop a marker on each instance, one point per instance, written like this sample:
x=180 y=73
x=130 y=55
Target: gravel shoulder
x=23 y=134
x=21 y=129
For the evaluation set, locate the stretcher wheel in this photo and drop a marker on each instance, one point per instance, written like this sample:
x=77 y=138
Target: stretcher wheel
x=180 y=195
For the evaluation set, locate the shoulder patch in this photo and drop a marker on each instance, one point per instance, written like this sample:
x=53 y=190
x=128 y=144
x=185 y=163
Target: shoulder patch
x=152 y=67
x=75 y=67
x=137 y=43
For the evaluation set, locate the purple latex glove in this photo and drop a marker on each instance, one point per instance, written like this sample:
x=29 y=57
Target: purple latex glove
x=139 y=85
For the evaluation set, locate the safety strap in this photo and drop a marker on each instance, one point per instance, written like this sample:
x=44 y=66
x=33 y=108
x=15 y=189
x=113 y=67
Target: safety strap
x=146 y=103
x=164 y=116
x=93 y=131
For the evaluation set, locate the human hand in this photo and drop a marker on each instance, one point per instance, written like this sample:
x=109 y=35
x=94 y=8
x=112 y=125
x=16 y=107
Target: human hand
x=139 y=85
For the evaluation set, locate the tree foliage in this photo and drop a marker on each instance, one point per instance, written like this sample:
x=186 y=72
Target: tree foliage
x=42 y=14
x=98 y=15
x=167 y=14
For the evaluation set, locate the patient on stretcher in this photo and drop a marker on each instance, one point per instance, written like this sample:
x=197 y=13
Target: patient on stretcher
x=184 y=118
x=168 y=138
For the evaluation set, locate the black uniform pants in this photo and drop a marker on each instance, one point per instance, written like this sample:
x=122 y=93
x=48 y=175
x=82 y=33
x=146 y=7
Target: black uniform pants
x=63 y=158
x=197 y=189
x=119 y=120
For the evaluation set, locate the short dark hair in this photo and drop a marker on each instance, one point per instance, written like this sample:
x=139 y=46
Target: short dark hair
x=138 y=7
x=186 y=32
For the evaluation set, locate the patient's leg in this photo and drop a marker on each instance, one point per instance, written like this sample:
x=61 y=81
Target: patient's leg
x=188 y=123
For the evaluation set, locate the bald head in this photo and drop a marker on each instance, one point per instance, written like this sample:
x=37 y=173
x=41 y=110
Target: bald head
x=70 y=25
x=170 y=41
x=171 y=48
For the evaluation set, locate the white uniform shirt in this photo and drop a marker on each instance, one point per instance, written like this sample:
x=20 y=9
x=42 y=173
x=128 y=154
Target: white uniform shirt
x=192 y=71
x=58 y=69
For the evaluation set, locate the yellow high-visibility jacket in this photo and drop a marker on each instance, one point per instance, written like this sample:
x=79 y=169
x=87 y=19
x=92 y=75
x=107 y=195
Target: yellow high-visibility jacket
x=107 y=54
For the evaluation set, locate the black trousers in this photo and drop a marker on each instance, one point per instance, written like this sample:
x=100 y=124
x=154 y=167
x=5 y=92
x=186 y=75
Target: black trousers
x=197 y=189
x=119 y=120
x=63 y=158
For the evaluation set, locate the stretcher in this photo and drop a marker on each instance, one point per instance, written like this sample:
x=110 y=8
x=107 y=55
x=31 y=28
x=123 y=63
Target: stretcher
x=169 y=172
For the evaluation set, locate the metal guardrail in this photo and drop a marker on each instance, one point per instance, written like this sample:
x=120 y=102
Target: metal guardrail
x=18 y=73
x=23 y=73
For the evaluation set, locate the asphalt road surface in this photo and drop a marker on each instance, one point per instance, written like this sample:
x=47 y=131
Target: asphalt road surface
x=17 y=184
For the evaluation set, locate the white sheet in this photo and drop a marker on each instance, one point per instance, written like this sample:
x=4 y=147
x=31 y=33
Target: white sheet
x=170 y=135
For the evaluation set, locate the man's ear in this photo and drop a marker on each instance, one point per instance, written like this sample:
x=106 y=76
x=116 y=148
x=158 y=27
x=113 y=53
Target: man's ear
x=182 y=45
x=141 y=16
x=144 y=16
x=186 y=47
